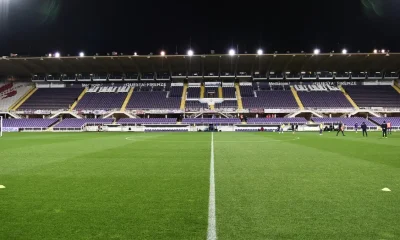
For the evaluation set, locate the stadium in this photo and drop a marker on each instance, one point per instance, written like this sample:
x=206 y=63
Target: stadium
x=187 y=146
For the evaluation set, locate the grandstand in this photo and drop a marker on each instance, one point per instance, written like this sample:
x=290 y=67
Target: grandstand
x=144 y=183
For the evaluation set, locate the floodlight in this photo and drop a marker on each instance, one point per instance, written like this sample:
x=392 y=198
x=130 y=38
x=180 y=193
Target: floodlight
x=81 y=54
x=190 y=52
x=162 y=53
x=375 y=51
x=135 y=53
x=344 y=51
x=260 y=52
x=232 y=52
x=57 y=55
x=316 y=51
x=383 y=51
x=50 y=55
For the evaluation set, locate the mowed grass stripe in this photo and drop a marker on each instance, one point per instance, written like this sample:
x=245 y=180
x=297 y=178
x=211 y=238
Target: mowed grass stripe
x=284 y=190
x=108 y=188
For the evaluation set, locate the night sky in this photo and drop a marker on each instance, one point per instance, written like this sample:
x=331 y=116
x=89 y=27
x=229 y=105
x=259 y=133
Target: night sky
x=37 y=27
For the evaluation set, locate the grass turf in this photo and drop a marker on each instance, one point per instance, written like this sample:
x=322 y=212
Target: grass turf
x=156 y=186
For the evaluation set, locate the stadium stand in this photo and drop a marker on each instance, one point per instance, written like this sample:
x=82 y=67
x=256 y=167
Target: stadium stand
x=190 y=105
x=231 y=104
x=350 y=122
x=80 y=122
x=270 y=100
x=11 y=92
x=274 y=121
x=153 y=100
x=193 y=92
x=130 y=121
x=29 y=123
x=101 y=101
x=395 y=121
x=51 y=99
x=228 y=92
x=223 y=121
x=374 y=96
x=321 y=99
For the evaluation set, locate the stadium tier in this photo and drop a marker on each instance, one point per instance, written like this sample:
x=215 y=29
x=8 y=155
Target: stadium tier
x=195 y=105
x=320 y=99
x=156 y=99
x=350 y=122
x=51 y=99
x=271 y=100
x=78 y=123
x=374 y=96
x=128 y=121
x=227 y=104
x=228 y=92
x=101 y=101
x=11 y=92
x=193 y=92
x=395 y=121
x=28 y=123
x=211 y=121
x=274 y=121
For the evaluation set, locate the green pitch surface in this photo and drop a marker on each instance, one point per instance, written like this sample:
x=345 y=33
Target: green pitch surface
x=157 y=186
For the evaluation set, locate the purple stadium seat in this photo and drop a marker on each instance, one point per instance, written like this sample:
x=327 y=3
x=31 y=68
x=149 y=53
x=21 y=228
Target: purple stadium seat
x=321 y=99
x=277 y=121
x=29 y=122
x=130 y=121
x=52 y=99
x=101 y=101
x=374 y=96
x=347 y=121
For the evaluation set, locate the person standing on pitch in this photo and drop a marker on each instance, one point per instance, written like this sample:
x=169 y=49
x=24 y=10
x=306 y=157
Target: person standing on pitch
x=340 y=129
x=281 y=129
x=384 y=129
x=321 y=128
x=293 y=128
x=389 y=127
x=356 y=127
x=364 y=129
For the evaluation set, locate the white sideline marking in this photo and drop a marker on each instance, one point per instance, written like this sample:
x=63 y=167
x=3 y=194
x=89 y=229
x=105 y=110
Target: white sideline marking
x=212 y=223
x=2 y=186
x=386 y=189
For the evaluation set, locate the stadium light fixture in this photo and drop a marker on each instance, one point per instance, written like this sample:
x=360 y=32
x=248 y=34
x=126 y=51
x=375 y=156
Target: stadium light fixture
x=316 y=51
x=375 y=51
x=260 y=52
x=162 y=53
x=344 y=51
x=57 y=55
x=135 y=53
x=232 y=52
x=383 y=51
x=50 y=55
x=81 y=54
x=190 y=52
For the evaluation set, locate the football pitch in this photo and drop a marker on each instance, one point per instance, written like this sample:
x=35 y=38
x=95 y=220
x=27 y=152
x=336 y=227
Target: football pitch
x=199 y=186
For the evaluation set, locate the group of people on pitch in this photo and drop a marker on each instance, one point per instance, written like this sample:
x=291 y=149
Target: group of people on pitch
x=385 y=126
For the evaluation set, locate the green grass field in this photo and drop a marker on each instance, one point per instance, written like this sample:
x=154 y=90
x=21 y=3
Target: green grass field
x=157 y=186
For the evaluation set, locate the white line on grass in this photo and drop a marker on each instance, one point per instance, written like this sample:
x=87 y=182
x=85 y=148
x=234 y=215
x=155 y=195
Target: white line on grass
x=212 y=223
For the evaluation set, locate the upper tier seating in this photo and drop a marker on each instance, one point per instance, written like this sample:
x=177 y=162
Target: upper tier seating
x=153 y=100
x=374 y=96
x=275 y=121
x=347 y=121
x=101 y=101
x=193 y=92
x=29 y=122
x=52 y=99
x=314 y=99
x=227 y=104
x=228 y=92
x=270 y=100
x=195 y=105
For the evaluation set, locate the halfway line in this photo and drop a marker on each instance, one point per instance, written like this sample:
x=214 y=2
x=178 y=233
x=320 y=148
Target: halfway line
x=212 y=225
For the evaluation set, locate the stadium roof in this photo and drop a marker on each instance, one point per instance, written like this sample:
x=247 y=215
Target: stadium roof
x=217 y=63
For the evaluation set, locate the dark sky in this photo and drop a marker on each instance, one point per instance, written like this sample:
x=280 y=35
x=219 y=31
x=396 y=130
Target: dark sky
x=37 y=27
